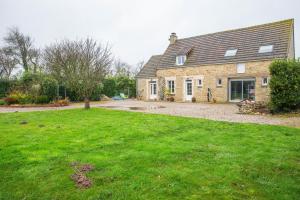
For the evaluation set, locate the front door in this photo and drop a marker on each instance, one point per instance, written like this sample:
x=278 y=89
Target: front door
x=153 y=90
x=188 y=90
x=240 y=89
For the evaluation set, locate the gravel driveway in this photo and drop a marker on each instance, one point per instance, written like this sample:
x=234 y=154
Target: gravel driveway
x=221 y=112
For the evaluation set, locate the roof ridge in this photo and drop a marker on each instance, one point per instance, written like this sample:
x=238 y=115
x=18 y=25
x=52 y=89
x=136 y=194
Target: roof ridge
x=237 y=29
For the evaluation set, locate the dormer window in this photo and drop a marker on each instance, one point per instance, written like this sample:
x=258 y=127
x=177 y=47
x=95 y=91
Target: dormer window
x=180 y=60
x=230 y=52
x=265 y=49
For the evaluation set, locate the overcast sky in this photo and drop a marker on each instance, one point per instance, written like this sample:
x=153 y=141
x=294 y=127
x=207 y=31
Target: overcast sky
x=137 y=29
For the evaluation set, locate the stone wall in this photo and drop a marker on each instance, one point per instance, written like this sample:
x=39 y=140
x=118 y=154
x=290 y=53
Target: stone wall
x=210 y=74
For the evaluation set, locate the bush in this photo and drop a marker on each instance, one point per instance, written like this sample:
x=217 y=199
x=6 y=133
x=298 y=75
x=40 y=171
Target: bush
x=21 y=97
x=10 y=100
x=43 y=99
x=285 y=85
x=5 y=86
x=49 y=87
x=2 y=102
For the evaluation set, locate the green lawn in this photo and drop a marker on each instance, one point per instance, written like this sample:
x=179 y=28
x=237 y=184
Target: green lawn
x=144 y=156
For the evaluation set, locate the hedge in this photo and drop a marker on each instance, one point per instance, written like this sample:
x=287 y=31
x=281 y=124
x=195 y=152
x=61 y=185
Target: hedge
x=285 y=85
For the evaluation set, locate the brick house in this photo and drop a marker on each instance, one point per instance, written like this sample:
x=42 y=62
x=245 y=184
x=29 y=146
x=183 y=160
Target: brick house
x=226 y=66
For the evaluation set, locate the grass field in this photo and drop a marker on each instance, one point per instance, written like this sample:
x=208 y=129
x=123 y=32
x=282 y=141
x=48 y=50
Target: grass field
x=144 y=156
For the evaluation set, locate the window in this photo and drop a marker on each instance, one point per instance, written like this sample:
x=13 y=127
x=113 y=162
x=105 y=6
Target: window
x=240 y=68
x=171 y=86
x=230 y=52
x=200 y=82
x=265 y=49
x=264 y=81
x=180 y=60
x=219 y=82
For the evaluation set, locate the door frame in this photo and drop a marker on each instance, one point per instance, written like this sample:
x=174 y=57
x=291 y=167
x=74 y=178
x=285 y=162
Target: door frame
x=239 y=79
x=186 y=97
x=150 y=83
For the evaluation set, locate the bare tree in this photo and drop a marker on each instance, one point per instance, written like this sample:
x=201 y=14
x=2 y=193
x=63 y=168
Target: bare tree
x=138 y=68
x=122 y=68
x=81 y=64
x=22 y=48
x=7 y=63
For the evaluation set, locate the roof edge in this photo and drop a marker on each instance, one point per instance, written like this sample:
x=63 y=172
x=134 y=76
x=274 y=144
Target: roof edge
x=237 y=29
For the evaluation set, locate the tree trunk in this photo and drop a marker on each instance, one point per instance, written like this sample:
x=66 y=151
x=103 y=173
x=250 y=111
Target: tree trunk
x=86 y=103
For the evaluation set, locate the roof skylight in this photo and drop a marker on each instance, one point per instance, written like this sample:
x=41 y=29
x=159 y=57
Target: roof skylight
x=265 y=49
x=230 y=52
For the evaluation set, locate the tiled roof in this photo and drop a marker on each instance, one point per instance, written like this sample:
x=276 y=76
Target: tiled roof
x=149 y=69
x=210 y=48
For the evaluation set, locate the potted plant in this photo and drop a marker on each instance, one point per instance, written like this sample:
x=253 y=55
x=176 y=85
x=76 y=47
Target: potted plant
x=194 y=99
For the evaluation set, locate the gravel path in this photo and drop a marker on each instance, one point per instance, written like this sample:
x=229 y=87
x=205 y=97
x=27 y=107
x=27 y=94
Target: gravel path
x=221 y=112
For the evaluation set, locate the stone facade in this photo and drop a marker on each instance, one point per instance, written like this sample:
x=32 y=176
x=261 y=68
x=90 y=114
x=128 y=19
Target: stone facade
x=209 y=74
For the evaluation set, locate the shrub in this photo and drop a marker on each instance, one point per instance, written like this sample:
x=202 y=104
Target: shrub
x=21 y=97
x=10 y=100
x=2 y=102
x=26 y=99
x=43 y=99
x=49 y=87
x=5 y=86
x=285 y=85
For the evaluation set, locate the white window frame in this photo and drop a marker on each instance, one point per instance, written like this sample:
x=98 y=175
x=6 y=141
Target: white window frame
x=263 y=81
x=230 y=52
x=266 y=49
x=199 y=79
x=180 y=60
x=217 y=82
x=168 y=86
x=240 y=68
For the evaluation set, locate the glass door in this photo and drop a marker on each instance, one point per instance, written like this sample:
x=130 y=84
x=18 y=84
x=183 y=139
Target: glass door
x=188 y=90
x=240 y=89
x=153 y=90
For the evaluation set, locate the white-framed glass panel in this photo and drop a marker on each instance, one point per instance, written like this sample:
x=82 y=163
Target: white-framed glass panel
x=230 y=52
x=219 y=82
x=240 y=89
x=171 y=86
x=153 y=89
x=200 y=82
x=240 y=68
x=265 y=49
x=180 y=60
x=264 y=81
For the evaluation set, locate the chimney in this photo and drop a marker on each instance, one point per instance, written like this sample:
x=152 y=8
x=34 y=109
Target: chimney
x=173 y=38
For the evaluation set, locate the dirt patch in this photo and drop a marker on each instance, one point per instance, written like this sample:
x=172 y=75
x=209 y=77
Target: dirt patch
x=79 y=177
x=137 y=108
x=24 y=122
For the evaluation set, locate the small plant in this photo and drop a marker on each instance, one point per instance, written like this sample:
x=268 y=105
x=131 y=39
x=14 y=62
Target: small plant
x=194 y=99
x=171 y=99
x=214 y=100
